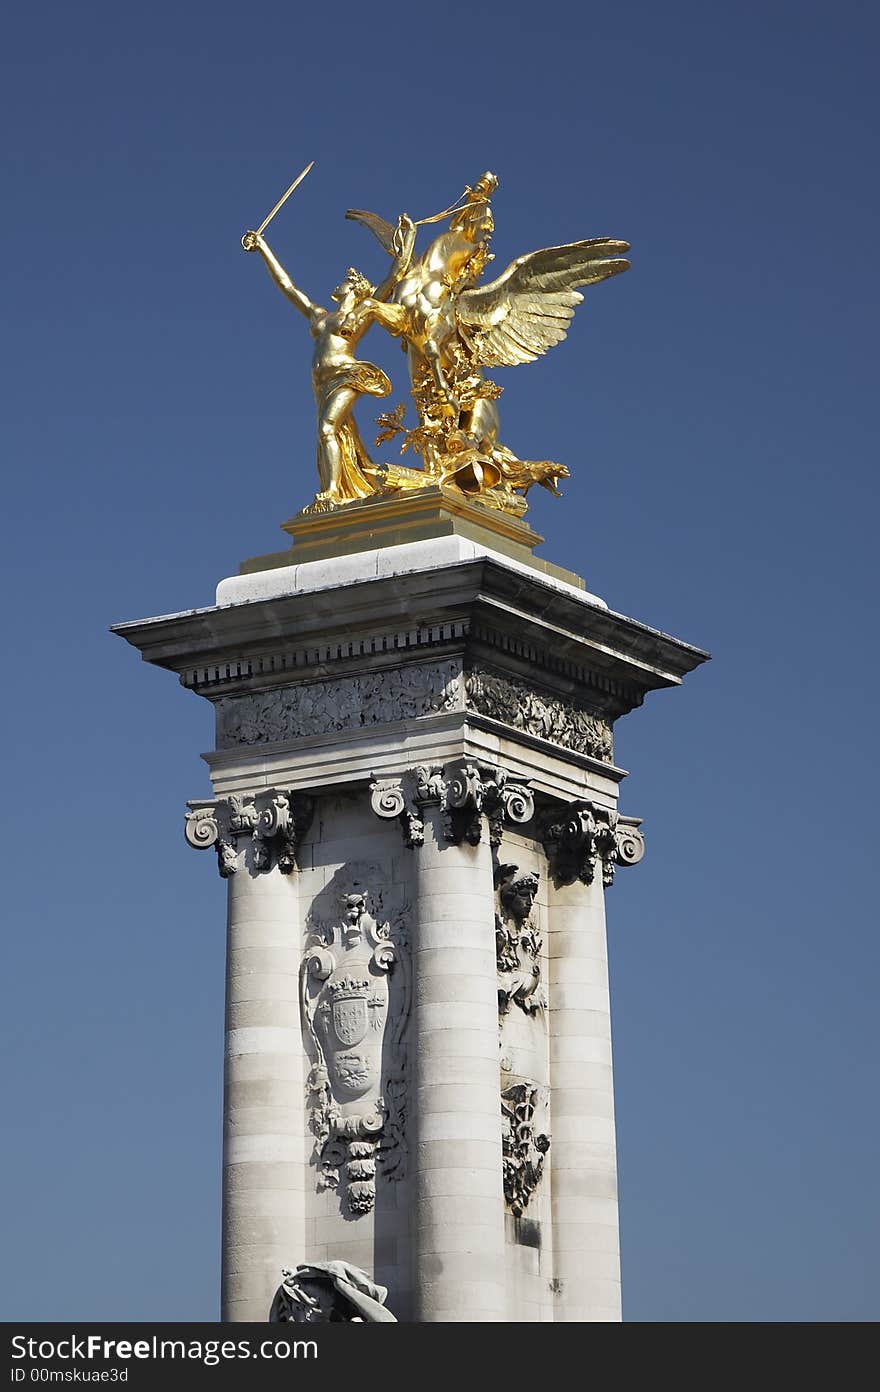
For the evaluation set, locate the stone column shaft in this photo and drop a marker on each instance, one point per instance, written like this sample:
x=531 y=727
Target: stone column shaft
x=583 y=1153
x=265 y=1167
x=457 y=1169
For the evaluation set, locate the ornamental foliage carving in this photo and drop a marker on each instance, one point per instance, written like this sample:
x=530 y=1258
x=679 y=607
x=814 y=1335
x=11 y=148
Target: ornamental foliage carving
x=585 y=836
x=347 y=703
x=523 y=1144
x=567 y=723
x=354 y=1028
x=470 y=796
x=273 y=822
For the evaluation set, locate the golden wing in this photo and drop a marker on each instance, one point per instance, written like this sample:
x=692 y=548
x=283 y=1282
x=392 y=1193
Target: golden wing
x=528 y=309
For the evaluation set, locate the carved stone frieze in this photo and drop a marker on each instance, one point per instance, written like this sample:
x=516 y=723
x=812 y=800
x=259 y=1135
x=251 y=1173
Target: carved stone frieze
x=275 y=822
x=346 y=703
x=354 y=1030
x=517 y=942
x=523 y=1144
x=583 y=836
x=567 y=723
x=406 y=693
x=466 y=792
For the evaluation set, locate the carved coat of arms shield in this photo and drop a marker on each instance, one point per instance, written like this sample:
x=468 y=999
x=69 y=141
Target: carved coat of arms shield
x=350 y=1019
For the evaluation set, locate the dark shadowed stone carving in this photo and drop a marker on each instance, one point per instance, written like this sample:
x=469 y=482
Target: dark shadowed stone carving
x=329 y=1293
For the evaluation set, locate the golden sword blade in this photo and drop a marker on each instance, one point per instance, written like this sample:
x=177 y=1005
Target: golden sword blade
x=283 y=199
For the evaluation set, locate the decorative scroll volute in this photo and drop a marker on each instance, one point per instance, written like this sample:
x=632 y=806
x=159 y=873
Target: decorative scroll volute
x=392 y=797
x=208 y=824
x=630 y=841
x=200 y=828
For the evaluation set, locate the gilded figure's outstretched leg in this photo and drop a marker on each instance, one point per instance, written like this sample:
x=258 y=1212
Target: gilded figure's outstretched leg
x=334 y=413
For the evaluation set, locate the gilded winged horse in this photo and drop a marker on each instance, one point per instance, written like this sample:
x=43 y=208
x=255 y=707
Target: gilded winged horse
x=456 y=328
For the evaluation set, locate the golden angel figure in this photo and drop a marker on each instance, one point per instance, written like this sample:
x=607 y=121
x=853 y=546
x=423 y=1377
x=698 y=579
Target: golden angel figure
x=456 y=329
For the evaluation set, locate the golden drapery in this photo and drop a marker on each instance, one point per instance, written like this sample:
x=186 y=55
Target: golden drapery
x=357 y=475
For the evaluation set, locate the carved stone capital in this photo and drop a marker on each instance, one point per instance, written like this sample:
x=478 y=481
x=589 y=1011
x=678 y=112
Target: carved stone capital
x=583 y=836
x=466 y=792
x=274 y=821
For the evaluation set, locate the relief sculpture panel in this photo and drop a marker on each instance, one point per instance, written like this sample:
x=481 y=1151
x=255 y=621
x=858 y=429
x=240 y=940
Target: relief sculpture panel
x=523 y=1038
x=567 y=722
x=518 y=942
x=524 y=1141
x=347 y=703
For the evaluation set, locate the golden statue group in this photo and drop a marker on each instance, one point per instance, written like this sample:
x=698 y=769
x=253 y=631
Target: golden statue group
x=452 y=329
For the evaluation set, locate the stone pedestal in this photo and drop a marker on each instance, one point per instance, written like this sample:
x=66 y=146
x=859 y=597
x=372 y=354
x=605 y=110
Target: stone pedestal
x=415 y=810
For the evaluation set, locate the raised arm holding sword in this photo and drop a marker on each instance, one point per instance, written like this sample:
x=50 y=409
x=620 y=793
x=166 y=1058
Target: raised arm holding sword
x=339 y=379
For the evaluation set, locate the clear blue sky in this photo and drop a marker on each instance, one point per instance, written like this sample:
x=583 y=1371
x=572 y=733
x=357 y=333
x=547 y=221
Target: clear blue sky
x=717 y=409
